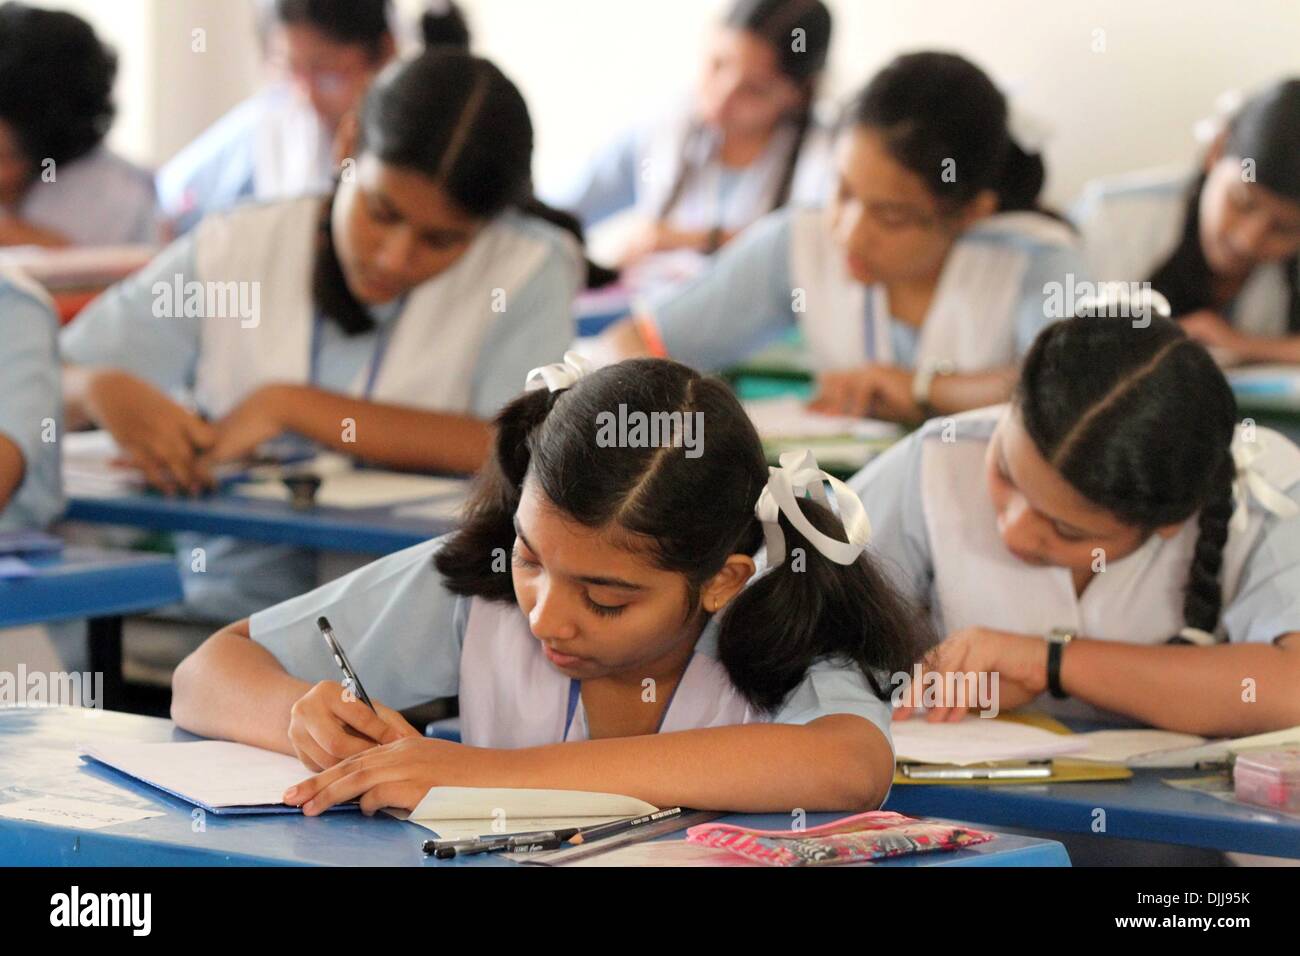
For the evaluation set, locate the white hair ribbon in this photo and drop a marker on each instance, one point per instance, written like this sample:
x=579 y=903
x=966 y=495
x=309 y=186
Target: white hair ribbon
x=558 y=375
x=1194 y=635
x=1029 y=130
x=797 y=475
x=1119 y=299
x=1226 y=106
x=1250 y=481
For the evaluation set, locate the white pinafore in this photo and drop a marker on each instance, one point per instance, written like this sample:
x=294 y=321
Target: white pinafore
x=972 y=320
x=1133 y=223
x=1137 y=599
x=702 y=204
x=512 y=696
x=424 y=358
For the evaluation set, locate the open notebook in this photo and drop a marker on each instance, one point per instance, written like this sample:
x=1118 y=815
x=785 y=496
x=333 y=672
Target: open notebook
x=230 y=778
x=219 y=776
x=456 y=813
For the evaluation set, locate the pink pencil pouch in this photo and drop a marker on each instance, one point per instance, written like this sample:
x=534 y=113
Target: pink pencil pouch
x=877 y=835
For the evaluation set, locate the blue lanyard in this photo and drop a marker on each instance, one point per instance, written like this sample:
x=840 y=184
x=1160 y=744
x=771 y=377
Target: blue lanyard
x=382 y=337
x=871 y=320
x=575 y=693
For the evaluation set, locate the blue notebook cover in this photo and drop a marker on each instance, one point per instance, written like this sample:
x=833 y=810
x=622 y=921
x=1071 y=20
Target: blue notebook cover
x=218 y=811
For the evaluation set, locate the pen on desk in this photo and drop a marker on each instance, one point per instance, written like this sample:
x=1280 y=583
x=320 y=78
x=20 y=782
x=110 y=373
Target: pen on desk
x=620 y=826
x=341 y=659
x=529 y=840
x=944 y=772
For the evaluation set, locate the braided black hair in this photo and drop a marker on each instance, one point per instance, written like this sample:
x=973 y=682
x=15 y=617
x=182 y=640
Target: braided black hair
x=1139 y=420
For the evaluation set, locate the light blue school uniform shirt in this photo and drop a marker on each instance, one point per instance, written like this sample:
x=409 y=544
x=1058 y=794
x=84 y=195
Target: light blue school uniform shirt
x=119 y=330
x=609 y=186
x=405 y=632
x=743 y=301
x=219 y=169
x=1266 y=605
x=32 y=406
x=97 y=200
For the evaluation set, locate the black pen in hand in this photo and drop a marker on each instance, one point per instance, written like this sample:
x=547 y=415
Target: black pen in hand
x=341 y=659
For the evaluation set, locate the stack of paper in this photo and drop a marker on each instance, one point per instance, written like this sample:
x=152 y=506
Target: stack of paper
x=1124 y=747
x=89 y=468
x=977 y=740
x=840 y=441
x=1215 y=751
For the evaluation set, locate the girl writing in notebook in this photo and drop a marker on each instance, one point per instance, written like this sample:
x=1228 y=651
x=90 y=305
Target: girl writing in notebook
x=1222 y=245
x=389 y=319
x=603 y=620
x=920 y=285
x=1113 y=542
x=745 y=146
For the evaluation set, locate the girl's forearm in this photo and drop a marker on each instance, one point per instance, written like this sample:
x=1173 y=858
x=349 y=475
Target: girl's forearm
x=839 y=762
x=232 y=688
x=392 y=435
x=12 y=468
x=961 y=392
x=1262 y=349
x=1228 y=690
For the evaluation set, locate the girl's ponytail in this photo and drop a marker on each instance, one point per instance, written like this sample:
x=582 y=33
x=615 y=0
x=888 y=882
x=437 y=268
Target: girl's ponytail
x=1204 y=597
x=443 y=24
x=1020 y=180
x=809 y=607
x=487 y=532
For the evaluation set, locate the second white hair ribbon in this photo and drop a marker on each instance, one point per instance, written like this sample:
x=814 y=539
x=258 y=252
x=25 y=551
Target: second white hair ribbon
x=798 y=475
x=558 y=375
x=1250 y=481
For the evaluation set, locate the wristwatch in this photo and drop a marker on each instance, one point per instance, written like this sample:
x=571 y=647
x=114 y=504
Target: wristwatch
x=923 y=381
x=1056 y=639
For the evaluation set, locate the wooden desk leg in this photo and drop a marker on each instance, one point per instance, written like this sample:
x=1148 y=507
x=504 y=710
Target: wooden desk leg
x=104 y=637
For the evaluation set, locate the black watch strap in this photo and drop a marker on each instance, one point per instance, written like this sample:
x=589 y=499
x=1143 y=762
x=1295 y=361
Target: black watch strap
x=1054 y=651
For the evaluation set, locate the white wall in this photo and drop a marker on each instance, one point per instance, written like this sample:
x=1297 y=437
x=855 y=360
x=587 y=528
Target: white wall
x=591 y=66
x=1133 y=105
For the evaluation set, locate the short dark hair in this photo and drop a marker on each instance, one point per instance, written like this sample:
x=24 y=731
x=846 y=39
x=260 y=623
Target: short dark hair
x=362 y=23
x=933 y=108
x=56 y=82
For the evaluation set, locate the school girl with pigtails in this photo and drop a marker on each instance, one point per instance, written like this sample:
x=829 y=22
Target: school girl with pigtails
x=1114 y=542
x=690 y=630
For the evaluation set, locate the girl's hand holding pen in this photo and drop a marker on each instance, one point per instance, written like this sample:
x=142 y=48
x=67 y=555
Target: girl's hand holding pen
x=329 y=724
x=397 y=774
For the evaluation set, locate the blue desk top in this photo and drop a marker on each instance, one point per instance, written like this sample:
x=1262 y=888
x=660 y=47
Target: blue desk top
x=368 y=530
x=89 y=582
x=38 y=757
x=1143 y=808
